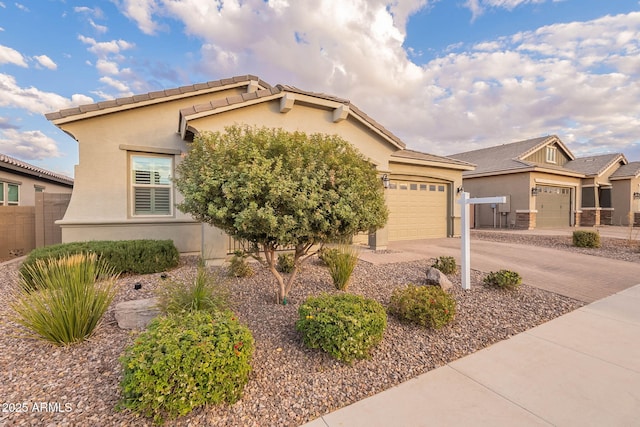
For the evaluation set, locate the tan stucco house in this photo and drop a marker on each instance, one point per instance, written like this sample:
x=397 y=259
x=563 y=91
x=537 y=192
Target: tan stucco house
x=625 y=182
x=129 y=147
x=547 y=186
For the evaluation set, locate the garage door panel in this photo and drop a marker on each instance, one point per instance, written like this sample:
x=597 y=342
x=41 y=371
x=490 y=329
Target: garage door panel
x=554 y=206
x=417 y=210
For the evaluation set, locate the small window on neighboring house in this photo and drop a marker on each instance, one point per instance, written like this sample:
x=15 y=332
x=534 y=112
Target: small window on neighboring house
x=423 y=187
x=551 y=154
x=151 y=185
x=440 y=187
x=39 y=189
x=9 y=194
x=413 y=186
x=432 y=188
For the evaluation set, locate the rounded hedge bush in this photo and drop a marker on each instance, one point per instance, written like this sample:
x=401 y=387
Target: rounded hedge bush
x=428 y=306
x=185 y=361
x=345 y=326
x=505 y=279
x=446 y=264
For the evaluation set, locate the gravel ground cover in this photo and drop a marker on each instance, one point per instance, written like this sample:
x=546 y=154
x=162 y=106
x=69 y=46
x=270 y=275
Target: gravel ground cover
x=290 y=384
x=620 y=249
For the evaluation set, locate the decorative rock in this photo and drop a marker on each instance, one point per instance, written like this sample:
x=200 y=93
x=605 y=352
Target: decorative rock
x=136 y=314
x=436 y=278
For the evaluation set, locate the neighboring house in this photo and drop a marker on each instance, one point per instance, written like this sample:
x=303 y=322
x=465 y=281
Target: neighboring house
x=20 y=181
x=540 y=190
x=597 y=202
x=129 y=148
x=625 y=182
x=31 y=199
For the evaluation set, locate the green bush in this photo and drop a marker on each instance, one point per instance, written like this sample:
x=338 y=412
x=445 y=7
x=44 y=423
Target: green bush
x=238 y=266
x=505 y=279
x=446 y=264
x=207 y=292
x=125 y=256
x=326 y=254
x=345 y=326
x=65 y=299
x=286 y=263
x=428 y=306
x=586 y=239
x=341 y=264
x=185 y=361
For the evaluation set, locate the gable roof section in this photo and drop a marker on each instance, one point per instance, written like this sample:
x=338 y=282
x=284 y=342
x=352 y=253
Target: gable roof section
x=509 y=158
x=288 y=96
x=595 y=165
x=14 y=165
x=629 y=171
x=136 y=101
x=417 y=157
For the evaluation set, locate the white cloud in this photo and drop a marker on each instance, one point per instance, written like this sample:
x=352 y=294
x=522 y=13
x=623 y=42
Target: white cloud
x=22 y=7
x=34 y=100
x=99 y=28
x=29 y=145
x=46 y=62
x=11 y=56
x=104 y=49
x=578 y=79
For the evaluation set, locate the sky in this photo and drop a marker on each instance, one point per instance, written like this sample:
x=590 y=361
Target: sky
x=445 y=76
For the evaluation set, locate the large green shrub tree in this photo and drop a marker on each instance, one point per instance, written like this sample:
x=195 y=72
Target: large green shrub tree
x=279 y=189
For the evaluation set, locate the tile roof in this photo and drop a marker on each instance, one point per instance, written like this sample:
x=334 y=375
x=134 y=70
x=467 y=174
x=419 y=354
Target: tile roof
x=417 y=155
x=505 y=157
x=630 y=170
x=157 y=96
x=34 y=171
x=595 y=165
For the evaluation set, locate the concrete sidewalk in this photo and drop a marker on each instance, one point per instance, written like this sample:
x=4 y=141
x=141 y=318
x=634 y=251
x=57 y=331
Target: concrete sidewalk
x=581 y=369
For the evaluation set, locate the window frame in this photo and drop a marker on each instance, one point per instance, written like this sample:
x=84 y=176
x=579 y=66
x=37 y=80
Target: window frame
x=4 y=193
x=552 y=155
x=132 y=185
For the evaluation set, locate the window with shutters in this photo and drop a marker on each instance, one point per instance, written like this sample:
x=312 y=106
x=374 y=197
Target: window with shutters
x=151 y=189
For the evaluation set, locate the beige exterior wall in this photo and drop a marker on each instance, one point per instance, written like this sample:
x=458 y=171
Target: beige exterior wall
x=303 y=118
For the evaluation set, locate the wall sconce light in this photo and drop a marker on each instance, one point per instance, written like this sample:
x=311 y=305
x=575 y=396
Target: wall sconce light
x=459 y=190
x=385 y=181
x=534 y=191
x=636 y=196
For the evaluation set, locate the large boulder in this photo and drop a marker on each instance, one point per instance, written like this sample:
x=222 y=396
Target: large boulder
x=436 y=278
x=136 y=314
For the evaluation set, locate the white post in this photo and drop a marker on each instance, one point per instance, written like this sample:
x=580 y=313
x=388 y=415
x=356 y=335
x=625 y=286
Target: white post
x=466 y=247
x=465 y=262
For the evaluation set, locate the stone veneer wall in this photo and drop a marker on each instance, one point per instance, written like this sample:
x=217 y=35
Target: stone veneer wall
x=590 y=217
x=526 y=220
x=606 y=217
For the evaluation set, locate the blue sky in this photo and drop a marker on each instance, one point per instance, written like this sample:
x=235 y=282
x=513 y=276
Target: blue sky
x=445 y=76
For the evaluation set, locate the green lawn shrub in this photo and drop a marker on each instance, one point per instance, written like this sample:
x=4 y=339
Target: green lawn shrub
x=207 y=292
x=238 y=266
x=341 y=264
x=286 y=263
x=505 y=279
x=428 y=306
x=446 y=264
x=586 y=239
x=125 y=256
x=345 y=326
x=65 y=299
x=186 y=361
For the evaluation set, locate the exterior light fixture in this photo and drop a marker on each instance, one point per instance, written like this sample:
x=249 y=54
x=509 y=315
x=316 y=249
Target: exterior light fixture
x=636 y=196
x=385 y=181
x=459 y=190
x=534 y=191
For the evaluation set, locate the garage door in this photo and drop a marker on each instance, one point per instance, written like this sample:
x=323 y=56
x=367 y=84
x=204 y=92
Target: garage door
x=554 y=206
x=417 y=210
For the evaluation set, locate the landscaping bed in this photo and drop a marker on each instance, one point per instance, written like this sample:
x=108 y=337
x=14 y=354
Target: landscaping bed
x=290 y=384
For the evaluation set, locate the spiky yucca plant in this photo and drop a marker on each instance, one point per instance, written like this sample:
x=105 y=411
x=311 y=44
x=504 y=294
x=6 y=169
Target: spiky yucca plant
x=68 y=301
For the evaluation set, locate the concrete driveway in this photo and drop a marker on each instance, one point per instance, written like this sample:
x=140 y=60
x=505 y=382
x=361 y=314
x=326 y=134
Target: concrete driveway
x=583 y=277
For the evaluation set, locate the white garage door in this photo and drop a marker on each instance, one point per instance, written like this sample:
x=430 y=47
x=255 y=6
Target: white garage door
x=417 y=210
